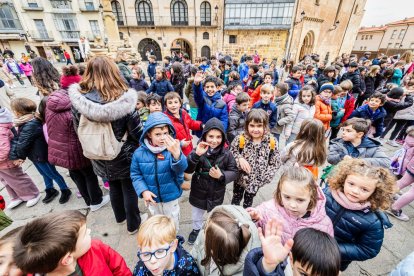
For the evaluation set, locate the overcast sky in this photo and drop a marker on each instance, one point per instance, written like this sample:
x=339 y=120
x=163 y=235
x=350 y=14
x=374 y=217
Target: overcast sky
x=380 y=12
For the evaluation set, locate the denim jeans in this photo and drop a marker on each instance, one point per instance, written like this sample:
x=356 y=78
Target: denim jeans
x=49 y=173
x=88 y=186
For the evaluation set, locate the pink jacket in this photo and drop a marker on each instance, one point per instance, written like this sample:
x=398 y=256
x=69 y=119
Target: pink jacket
x=5 y=136
x=26 y=68
x=408 y=163
x=230 y=100
x=318 y=218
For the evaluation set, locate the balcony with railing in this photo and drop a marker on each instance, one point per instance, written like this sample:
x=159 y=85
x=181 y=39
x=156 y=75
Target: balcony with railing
x=70 y=36
x=32 y=5
x=61 y=6
x=161 y=21
x=88 y=6
x=42 y=35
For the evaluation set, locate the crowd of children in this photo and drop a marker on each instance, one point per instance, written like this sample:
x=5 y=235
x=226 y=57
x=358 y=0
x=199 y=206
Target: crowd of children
x=138 y=137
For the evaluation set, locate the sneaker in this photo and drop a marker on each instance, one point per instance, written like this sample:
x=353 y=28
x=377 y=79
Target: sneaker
x=78 y=194
x=64 y=196
x=121 y=222
x=133 y=232
x=106 y=185
x=32 y=202
x=14 y=203
x=105 y=200
x=392 y=143
x=398 y=214
x=193 y=236
x=50 y=195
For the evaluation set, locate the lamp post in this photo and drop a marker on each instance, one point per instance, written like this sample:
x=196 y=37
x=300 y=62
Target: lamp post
x=216 y=8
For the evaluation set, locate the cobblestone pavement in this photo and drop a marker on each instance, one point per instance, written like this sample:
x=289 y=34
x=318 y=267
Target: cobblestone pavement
x=398 y=242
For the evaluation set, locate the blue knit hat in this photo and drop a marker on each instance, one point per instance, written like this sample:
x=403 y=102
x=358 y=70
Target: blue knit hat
x=325 y=86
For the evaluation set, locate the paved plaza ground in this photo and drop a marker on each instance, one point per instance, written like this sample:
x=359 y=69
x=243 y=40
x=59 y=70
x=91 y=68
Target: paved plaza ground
x=398 y=242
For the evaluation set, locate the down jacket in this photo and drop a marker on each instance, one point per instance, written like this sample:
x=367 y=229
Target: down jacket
x=377 y=117
x=370 y=150
x=160 y=87
x=355 y=78
x=6 y=135
x=207 y=192
x=157 y=173
x=294 y=87
x=405 y=114
x=182 y=128
x=64 y=148
x=359 y=233
x=392 y=106
x=323 y=112
x=300 y=113
x=349 y=106
x=123 y=118
x=237 y=120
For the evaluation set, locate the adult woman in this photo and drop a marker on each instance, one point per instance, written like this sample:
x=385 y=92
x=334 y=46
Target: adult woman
x=103 y=96
x=121 y=61
x=370 y=81
x=408 y=58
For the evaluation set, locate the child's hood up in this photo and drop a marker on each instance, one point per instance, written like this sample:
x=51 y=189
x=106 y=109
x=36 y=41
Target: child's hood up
x=5 y=116
x=214 y=123
x=155 y=119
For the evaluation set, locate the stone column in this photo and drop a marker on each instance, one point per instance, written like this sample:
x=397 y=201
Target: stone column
x=110 y=26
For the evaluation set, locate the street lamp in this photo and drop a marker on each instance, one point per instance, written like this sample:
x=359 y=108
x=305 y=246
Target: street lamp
x=100 y=8
x=302 y=15
x=334 y=26
x=216 y=11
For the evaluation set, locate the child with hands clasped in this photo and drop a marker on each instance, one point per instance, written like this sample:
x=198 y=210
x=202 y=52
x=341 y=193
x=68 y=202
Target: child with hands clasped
x=356 y=193
x=213 y=166
x=257 y=157
x=157 y=168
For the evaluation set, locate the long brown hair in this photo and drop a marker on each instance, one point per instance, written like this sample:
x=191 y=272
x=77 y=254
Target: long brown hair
x=310 y=143
x=45 y=76
x=258 y=116
x=103 y=75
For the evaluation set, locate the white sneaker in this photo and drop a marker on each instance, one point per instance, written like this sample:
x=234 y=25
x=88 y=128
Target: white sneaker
x=392 y=143
x=14 y=203
x=33 y=201
x=105 y=200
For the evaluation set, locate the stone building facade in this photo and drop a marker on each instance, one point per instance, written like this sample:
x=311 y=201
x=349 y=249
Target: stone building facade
x=369 y=40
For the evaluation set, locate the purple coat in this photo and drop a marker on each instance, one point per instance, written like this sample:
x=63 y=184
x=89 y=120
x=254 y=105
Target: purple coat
x=64 y=147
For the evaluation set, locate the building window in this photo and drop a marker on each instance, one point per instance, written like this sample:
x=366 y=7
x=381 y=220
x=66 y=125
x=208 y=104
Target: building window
x=361 y=48
x=61 y=4
x=116 y=10
x=258 y=14
x=41 y=28
x=397 y=45
x=8 y=18
x=68 y=27
x=370 y=37
x=362 y=37
x=205 y=51
x=121 y=35
x=365 y=47
x=394 y=33
x=389 y=45
x=402 y=33
x=205 y=14
x=89 y=6
x=143 y=10
x=232 y=39
x=206 y=35
x=179 y=13
x=95 y=27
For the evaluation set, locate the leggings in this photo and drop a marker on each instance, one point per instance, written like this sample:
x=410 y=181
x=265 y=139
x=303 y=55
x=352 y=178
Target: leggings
x=238 y=193
x=408 y=196
x=398 y=127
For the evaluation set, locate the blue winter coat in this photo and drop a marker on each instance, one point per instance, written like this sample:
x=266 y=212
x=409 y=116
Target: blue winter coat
x=161 y=87
x=151 y=69
x=377 y=117
x=294 y=87
x=209 y=107
x=158 y=173
x=253 y=265
x=270 y=109
x=243 y=71
x=359 y=233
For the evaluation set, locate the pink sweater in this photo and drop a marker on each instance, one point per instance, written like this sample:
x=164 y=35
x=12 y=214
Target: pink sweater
x=317 y=219
x=5 y=137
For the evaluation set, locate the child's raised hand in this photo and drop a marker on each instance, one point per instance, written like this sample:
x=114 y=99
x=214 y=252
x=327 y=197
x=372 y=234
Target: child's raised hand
x=199 y=76
x=173 y=146
x=148 y=198
x=274 y=252
x=254 y=214
x=202 y=148
x=215 y=173
x=244 y=165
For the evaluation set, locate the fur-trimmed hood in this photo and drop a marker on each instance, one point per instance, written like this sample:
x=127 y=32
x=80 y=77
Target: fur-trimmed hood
x=94 y=108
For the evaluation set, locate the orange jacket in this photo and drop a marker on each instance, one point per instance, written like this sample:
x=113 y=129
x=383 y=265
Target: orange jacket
x=323 y=112
x=255 y=96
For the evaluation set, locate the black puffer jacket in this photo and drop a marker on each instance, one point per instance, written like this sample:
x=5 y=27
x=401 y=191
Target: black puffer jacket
x=207 y=192
x=123 y=117
x=29 y=143
x=369 y=87
x=324 y=79
x=355 y=78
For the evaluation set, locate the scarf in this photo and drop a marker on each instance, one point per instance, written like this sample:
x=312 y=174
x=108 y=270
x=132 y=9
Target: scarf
x=154 y=149
x=327 y=101
x=24 y=119
x=341 y=198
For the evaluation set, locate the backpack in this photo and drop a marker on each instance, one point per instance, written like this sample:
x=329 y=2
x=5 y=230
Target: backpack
x=272 y=145
x=397 y=161
x=98 y=140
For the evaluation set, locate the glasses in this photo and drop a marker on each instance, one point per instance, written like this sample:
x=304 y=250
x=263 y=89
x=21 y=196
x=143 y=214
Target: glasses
x=158 y=254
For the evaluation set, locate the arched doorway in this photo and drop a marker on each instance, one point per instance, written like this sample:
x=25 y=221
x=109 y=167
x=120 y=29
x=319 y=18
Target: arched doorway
x=307 y=45
x=205 y=52
x=148 y=44
x=181 y=45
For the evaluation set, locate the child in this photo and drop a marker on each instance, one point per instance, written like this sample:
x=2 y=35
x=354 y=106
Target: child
x=181 y=121
x=355 y=195
x=313 y=253
x=27 y=69
x=327 y=76
x=177 y=78
x=157 y=168
x=229 y=98
x=161 y=85
x=30 y=142
x=310 y=78
x=266 y=93
x=298 y=202
x=228 y=235
x=255 y=96
x=160 y=251
x=189 y=93
x=373 y=111
x=234 y=76
x=15 y=70
x=204 y=64
x=152 y=64
x=354 y=76
x=323 y=110
x=213 y=166
x=407 y=170
x=349 y=106
x=237 y=116
x=308 y=149
x=141 y=106
x=355 y=144
x=226 y=72
x=60 y=244
x=137 y=82
x=257 y=157
x=338 y=110
x=254 y=80
x=294 y=82
x=7 y=265
x=398 y=74
x=154 y=103
x=19 y=185
x=284 y=104
x=303 y=108
x=209 y=100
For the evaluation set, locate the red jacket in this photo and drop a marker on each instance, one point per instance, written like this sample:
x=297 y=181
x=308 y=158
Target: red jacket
x=102 y=260
x=182 y=128
x=349 y=107
x=67 y=55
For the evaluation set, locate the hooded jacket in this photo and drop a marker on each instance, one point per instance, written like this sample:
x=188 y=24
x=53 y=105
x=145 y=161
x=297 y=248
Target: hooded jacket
x=159 y=173
x=237 y=120
x=285 y=115
x=377 y=117
x=123 y=117
x=198 y=251
x=369 y=150
x=208 y=192
x=6 y=135
x=64 y=148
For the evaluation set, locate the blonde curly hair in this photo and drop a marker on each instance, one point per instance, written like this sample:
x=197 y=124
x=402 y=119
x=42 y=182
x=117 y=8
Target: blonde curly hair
x=385 y=186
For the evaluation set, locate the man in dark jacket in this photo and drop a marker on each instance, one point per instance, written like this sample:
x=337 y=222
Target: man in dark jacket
x=354 y=76
x=152 y=64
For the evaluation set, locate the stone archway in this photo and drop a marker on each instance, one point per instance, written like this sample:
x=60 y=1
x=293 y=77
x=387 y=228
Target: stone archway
x=307 y=45
x=183 y=46
x=148 y=44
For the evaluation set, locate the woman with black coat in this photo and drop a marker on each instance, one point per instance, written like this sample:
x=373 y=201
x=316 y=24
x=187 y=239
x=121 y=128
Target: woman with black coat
x=177 y=78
